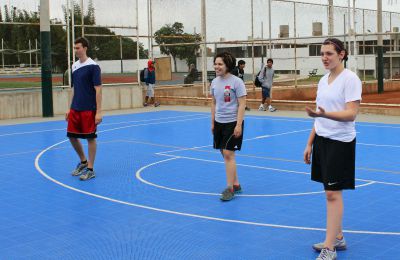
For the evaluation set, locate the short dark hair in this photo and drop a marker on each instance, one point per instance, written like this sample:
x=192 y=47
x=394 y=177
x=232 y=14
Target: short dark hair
x=338 y=45
x=83 y=41
x=228 y=59
x=271 y=60
x=240 y=62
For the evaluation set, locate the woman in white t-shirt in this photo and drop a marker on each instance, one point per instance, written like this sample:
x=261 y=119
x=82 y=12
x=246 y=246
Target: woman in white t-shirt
x=332 y=140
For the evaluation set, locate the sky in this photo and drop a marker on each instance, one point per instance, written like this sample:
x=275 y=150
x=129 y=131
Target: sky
x=228 y=19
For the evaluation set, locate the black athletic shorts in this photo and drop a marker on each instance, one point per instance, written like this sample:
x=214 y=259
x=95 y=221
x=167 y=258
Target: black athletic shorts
x=224 y=138
x=333 y=163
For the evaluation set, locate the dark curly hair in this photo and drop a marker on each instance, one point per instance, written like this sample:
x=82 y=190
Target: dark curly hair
x=228 y=59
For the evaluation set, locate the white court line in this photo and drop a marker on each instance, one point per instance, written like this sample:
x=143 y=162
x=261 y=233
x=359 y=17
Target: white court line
x=156 y=123
x=188 y=214
x=154 y=119
x=377 y=126
x=190 y=115
x=105 y=124
x=268 y=168
x=280 y=119
x=37 y=166
x=38 y=150
x=260 y=137
x=123 y=127
x=377 y=170
x=179 y=148
x=101 y=142
x=139 y=177
x=59 y=148
x=382 y=182
x=238 y=164
x=363 y=124
x=34 y=132
x=249 y=139
x=380 y=145
x=273 y=135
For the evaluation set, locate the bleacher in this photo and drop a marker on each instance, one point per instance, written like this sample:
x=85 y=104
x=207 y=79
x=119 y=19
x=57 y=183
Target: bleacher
x=20 y=70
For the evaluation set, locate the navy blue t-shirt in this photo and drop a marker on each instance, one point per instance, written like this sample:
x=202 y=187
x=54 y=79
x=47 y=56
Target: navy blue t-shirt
x=85 y=76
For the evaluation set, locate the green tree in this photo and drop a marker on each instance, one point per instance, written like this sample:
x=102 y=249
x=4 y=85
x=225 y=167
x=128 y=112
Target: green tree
x=91 y=19
x=6 y=28
x=174 y=34
x=7 y=17
x=1 y=27
x=16 y=38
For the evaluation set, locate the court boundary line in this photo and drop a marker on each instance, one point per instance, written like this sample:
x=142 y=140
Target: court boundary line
x=105 y=124
x=245 y=140
x=37 y=166
x=140 y=178
x=379 y=145
x=256 y=117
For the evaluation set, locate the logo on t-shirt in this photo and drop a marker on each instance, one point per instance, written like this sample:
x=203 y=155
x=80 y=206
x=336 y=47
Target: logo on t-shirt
x=227 y=94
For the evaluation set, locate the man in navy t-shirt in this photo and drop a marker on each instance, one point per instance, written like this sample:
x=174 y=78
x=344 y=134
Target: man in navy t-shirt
x=85 y=112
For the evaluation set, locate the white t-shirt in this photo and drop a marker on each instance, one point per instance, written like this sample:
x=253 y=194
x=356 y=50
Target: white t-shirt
x=345 y=88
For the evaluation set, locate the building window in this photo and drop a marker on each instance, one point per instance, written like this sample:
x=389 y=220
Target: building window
x=314 y=49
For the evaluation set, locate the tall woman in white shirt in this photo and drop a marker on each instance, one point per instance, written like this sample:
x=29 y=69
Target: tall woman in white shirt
x=332 y=140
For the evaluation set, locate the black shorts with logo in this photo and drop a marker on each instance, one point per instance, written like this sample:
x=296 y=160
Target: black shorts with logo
x=224 y=138
x=333 y=163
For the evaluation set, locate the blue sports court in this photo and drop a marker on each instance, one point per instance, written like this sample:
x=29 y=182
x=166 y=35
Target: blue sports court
x=157 y=187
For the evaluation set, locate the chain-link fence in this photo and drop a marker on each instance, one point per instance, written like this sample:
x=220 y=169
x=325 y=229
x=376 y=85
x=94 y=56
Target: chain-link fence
x=113 y=42
x=183 y=36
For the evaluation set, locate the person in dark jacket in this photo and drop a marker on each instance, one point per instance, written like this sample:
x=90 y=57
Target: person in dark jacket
x=191 y=77
x=238 y=71
x=150 y=80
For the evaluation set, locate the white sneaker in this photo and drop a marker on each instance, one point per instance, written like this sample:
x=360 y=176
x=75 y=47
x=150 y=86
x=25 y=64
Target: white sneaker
x=327 y=254
x=340 y=245
x=261 y=108
x=271 y=109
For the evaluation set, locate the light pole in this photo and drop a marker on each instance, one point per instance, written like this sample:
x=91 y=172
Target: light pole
x=45 y=47
x=330 y=19
x=380 y=47
x=204 y=49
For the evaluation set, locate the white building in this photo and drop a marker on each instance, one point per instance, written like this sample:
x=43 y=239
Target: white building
x=308 y=55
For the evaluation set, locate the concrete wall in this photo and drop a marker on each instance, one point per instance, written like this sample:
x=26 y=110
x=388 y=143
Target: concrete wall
x=181 y=66
x=179 y=91
x=281 y=105
x=28 y=103
x=306 y=92
x=284 y=98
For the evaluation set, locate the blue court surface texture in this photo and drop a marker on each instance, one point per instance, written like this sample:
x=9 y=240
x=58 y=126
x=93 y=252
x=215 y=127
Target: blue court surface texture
x=157 y=186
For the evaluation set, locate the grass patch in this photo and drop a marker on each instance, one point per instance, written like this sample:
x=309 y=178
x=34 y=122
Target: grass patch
x=4 y=85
